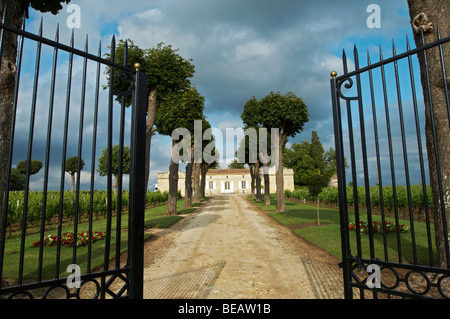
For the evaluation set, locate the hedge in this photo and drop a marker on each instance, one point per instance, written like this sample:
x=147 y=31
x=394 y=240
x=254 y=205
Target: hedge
x=330 y=195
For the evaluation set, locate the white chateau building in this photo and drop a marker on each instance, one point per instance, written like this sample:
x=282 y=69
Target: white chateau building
x=228 y=181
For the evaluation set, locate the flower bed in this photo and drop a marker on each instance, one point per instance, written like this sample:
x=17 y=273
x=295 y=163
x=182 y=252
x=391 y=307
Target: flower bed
x=68 y=239
x=377 y=227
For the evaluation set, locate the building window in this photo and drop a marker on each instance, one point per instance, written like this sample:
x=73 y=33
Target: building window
x=210 y=177
x=227 y=177
x=211 y=185
x=227 y=185
x=243 y=185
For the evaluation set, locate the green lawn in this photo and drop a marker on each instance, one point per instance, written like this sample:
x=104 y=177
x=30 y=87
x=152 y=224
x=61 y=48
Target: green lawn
x=328 y=235
x=154 y=217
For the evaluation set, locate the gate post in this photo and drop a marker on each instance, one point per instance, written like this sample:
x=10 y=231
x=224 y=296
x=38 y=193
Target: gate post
x=341 y=186
x=137 y=187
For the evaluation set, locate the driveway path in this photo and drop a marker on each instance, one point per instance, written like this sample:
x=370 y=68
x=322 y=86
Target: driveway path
x=229 y=249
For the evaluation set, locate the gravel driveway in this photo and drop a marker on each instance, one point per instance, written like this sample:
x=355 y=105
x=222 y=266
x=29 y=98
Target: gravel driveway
x=229 y=249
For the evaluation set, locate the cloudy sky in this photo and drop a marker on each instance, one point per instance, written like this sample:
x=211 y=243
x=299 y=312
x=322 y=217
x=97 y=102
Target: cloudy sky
x=240 y=49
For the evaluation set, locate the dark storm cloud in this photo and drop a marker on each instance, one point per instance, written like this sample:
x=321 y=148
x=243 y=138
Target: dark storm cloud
x=245 y=48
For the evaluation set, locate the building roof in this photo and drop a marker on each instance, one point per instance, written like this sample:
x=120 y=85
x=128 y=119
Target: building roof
x=228 y=171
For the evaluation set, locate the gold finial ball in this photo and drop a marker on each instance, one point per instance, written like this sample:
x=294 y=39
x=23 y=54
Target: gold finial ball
x=333 y=74
x=137 y=66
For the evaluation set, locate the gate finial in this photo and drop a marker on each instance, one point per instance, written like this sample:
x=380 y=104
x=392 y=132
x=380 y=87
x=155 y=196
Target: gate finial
x=333 y=74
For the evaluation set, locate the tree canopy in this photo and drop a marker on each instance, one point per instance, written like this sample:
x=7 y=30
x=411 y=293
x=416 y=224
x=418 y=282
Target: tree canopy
x=166 y=70
x=72 y=165
x=103 y=161
x=53 y=6
x=284 y=111
x=35 y=167
x=180 y=111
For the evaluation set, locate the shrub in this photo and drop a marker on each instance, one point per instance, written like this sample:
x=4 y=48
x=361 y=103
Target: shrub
x=68 y=239
x=377 y=227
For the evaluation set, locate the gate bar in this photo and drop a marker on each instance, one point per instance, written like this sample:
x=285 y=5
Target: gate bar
x=436 y=153
x=345 y=244
x=137 y=187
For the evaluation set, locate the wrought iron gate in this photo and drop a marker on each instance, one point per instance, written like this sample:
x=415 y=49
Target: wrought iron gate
x=386 y=212
x=51 y=244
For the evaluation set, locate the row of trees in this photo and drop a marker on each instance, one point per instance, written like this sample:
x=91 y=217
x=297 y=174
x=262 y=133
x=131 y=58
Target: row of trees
x=312 y=166
x=285 y=113
x=173 y=102
x=18 y=174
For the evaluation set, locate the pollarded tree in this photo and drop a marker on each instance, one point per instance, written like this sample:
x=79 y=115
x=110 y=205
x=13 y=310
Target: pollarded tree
x=178 y=111
x=167 y=74
x=71 y=167
x=35 y=167
x=115 y=163
x=21 y=168
x=288 y=113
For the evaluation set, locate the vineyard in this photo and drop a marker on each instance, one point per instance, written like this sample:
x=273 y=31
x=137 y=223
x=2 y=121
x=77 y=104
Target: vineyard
x=330 y=196
x=97 y=205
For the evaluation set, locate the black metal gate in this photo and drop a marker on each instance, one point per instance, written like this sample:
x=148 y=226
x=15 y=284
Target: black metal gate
x=86 y=242
x=385 y=199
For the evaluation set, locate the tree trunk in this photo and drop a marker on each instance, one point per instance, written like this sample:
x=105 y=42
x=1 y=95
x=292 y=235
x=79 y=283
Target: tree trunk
x=151 y=111
x=436 y=11
x=279 y=178
x=318 y=212
x=173 y=186
x=188 y=186
x=116 y=183
x=14 y=17
x=204 y=171
x=252 y=176
x=266 y=185
x=258 y=181
x=196 y=171
x=72 y=176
